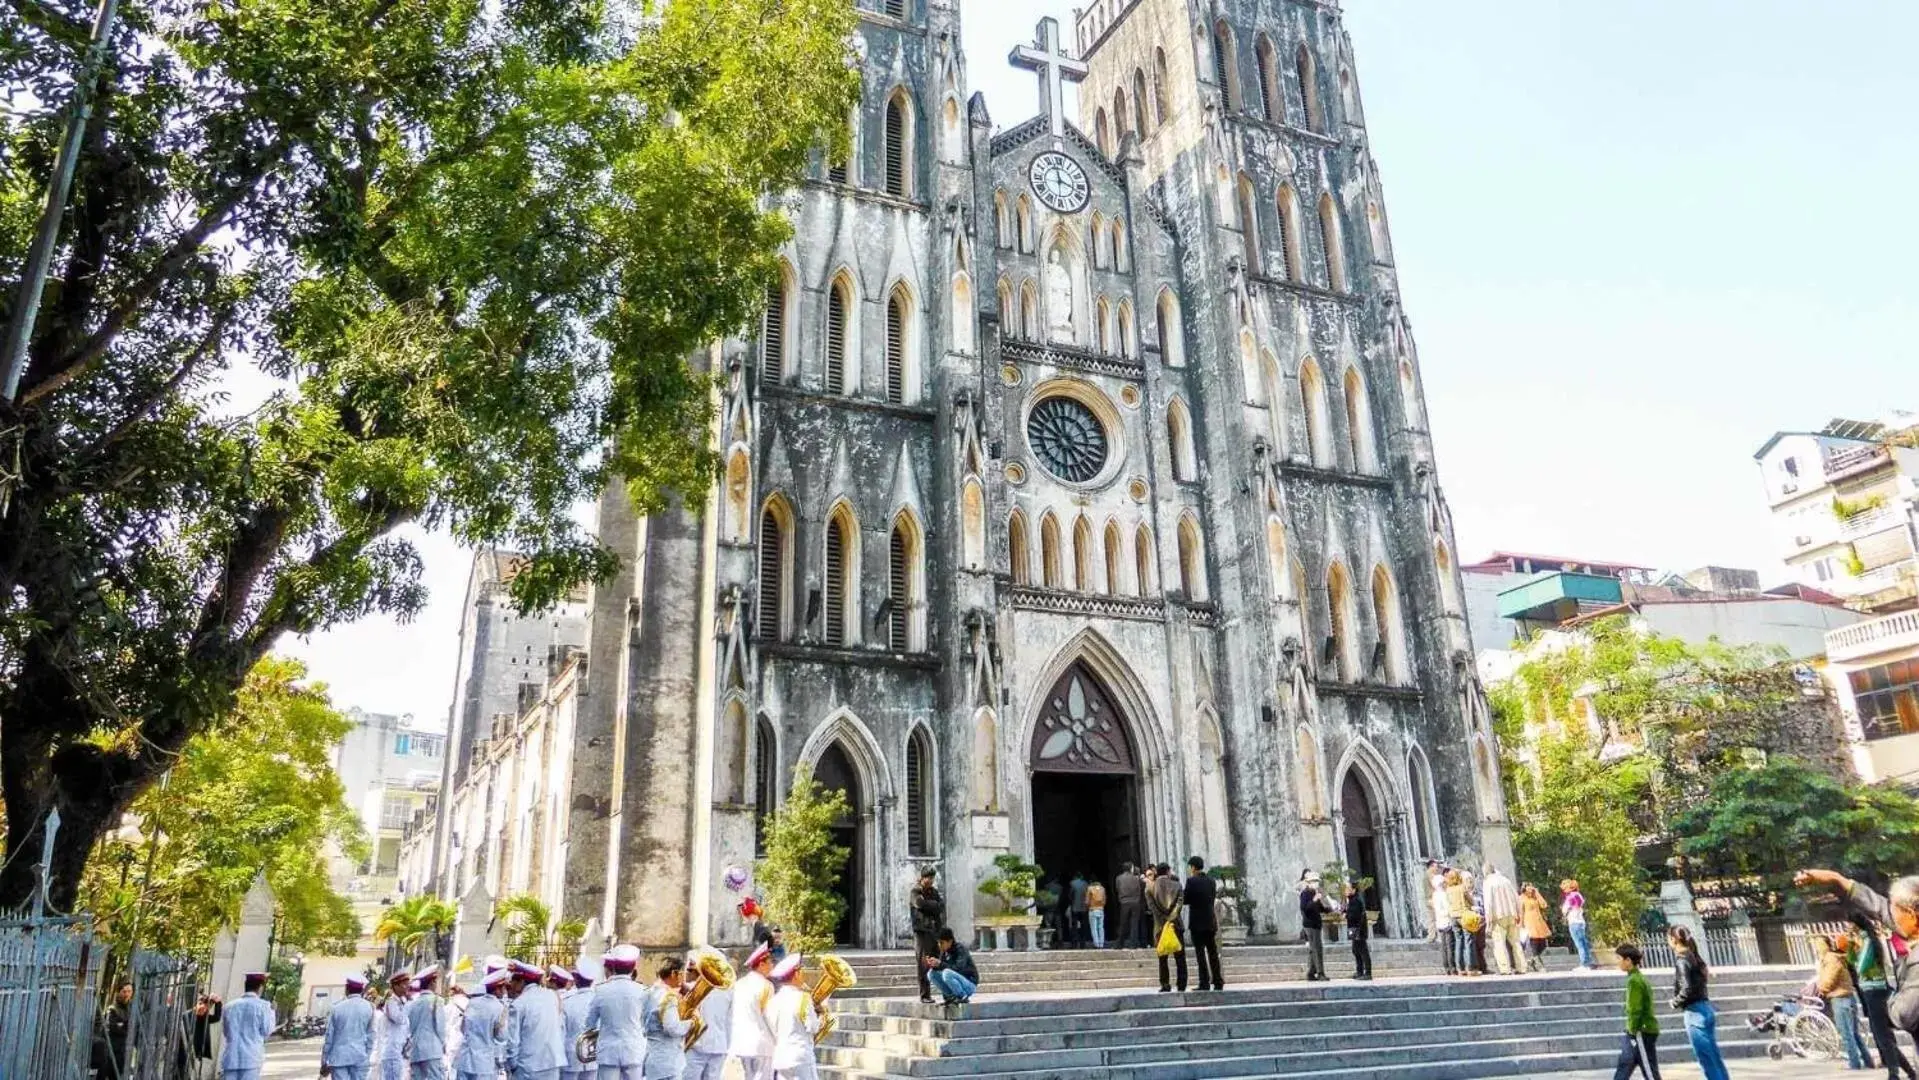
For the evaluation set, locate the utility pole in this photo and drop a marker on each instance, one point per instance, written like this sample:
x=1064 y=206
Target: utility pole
x=33 y=275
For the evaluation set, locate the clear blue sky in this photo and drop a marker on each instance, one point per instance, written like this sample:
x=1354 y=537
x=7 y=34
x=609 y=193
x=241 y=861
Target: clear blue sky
x=1635 y=238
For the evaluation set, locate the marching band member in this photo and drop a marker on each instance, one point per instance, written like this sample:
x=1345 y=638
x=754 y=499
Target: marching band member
x=539 y=1033
x=393 y=1027
x=795 y=1020
x=481 y=1032
x=707 y=1059
x=349 y=1034
x=619 y=1014
x=749 y=1032
x=665 y=1031
x=426 y=1060
x=245 y=1025
x=574 y=1005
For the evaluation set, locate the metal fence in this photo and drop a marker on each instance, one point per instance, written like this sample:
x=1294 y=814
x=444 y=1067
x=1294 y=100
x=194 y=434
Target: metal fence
x=1799 y=939
x=49 y=982
x=1723 y=946
x=160 y=1018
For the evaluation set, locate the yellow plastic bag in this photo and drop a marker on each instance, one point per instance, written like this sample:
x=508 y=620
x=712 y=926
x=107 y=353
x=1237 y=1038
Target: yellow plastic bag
x=1168 y=940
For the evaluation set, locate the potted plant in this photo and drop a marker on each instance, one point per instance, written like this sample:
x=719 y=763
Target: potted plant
x=1011 y=883
x=1332 y=885
x=1238 y=920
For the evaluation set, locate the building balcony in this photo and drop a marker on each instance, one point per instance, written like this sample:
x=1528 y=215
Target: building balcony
x=1873 y=637
x=1855 y=462
x=1556 y=598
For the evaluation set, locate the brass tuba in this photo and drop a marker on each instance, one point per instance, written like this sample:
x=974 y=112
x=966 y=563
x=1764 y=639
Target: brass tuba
x=712 y=972
x=835 y=974
x=586 y=1048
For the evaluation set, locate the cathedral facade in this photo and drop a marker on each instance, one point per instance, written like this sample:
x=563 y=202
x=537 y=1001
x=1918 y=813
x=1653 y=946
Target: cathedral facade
x=1078 y=503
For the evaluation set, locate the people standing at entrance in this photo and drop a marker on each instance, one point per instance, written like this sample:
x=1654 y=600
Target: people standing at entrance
x=1532 y=922
x=1867 y=956
x=1640 y=1051
x=1689 y=997
x=245 y=1025
x=1459 y=904
x=1360 y=931
x=929 y=914
x=1312 y=910
x=1096 y=912
x=1835 y=985
x=1572 y=904
x=1444 y=929
x=1132 y=901
x=1165 y=898
x=1076 y=889
x=1201 y=896
x=1502 y=922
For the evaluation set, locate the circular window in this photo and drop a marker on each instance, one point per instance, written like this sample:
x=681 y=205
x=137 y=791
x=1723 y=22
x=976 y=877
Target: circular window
x=1067 y=438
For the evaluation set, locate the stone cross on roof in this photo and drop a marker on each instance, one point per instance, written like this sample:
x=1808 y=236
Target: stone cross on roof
x=1055 y=67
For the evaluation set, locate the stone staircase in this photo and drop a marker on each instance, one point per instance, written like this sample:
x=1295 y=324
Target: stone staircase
x=1406 y=1028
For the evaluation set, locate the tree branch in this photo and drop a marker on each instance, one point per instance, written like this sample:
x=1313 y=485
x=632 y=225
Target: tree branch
x=165 y=390
x=285 y=612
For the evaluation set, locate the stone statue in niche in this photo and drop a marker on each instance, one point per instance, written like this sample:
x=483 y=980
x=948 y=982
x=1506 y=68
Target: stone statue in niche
x=1059 y=296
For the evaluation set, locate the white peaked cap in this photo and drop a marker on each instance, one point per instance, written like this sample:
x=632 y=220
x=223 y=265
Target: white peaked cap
x=495 y=978
x=786 y=968
x=624 y=954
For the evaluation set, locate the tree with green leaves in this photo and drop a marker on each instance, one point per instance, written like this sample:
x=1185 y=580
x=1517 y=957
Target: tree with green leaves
x=534 y=935
x=802 y=864
x=254 y=793
x=416 y=926
x=1765 y=823
x=337 y=269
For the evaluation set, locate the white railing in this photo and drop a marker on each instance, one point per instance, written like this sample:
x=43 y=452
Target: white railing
x=1725 y=946
x=1799 y=939
x=1873 y=635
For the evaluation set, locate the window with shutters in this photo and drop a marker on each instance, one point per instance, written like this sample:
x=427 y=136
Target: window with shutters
x=895 y=9
x=1334 y=238
x=919 y=794
x=837 y=307
x=896 y=316
x=773 y=333
x=1289 y=233
x=1269 y=100
x=1308 y=90
x=898 y=160
x=899 y=588
x=1249 y=225
x=771 y=618
x=841 y=536
x=1223 y=60
x=765 y=790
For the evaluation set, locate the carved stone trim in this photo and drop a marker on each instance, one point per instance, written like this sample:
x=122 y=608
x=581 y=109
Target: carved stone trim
x=1032 y=598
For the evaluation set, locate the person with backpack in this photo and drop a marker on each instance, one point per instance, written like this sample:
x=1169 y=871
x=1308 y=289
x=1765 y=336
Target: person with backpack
x=1867 y=957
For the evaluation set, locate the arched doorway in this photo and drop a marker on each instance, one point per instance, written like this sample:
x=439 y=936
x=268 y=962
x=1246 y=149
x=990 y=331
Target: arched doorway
x=835 y=772
x=1362 y=840
x=1085 y=805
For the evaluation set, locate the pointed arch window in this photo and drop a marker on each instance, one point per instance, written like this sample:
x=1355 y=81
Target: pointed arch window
x=842 y=577
x=1002 y=221
x=919 y=794
x=1335 y=240
x=1308 y=89
x=1172 y=336
x=1049 y=565
x=773 y=330
x=839 y=307
x=1139 y=103
x=1126 y=341
x=1122 y=120
x=1224 y=62
x=1028 y=312
x=1359 y=424
x=1008 y=315
x=1276 y=563
x=1275 y=385
x=963 y=312
x=1192 y=560
x=1249 y=226
x=1312 y=391
x=1082 y=555
x=1179 y=440
x=1115 y=558
x=1159 y=85
x=1392 y=630
x=1024 y=213
x=1102 y=319
x=775 y=556
x=1312 y=805
x=1143 y=561
x=1016 y=549
x=765 y=780
x=1448 y=582
x=1122 y=261
x=904 y=573
x=1098 y=237
x=898 y=313
x=1339 y=608
x=899 y=134
x=1289 y=233
x=1102 y=137
x=1425 y=838
x=1269 y=84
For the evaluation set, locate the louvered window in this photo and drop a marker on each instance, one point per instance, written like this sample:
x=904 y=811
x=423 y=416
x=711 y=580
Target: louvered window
x=896 y=9
x=836 y=582
x=1288 y=239
x=899 y=585
x=764 y=793
x=836 y=171
x=772 y=574
x=836 y=339
x=1267 y=99
x=773 y=335
x=1308 y=93
x=918 y=791
x=896 y=350
x=1220 y=47
x=896 y=148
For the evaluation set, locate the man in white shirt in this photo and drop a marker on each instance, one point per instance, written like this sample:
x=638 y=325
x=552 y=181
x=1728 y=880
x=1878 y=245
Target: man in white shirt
x=574 y=1005
x=619 y=1015
x=1502 y=923
x=665 y=1028
x=539 y=1031
x=245 y=1025
x=393 y=1027
x=706 y=1060
x=426 y=1035
x=481 y=1031
x=348 y=1045
x=749 y=1033
x=795 y=1021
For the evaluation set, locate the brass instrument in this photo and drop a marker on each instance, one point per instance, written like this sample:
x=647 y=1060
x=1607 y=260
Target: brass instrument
x=712 y=972
x=835 y=974
x=586 y=1048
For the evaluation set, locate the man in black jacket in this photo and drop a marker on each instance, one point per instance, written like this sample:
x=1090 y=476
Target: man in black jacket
x=952 y=969
x=1359 y=931
x=1312 y=904
x=929 y=914
x=1202 y=897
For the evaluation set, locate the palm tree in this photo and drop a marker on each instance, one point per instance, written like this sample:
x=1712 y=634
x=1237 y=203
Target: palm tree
x=534 y=935
x=415 y=926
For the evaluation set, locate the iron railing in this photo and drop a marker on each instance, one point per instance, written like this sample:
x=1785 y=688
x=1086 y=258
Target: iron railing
x=1723 y=946
x=49 y=982
x=160 y=1019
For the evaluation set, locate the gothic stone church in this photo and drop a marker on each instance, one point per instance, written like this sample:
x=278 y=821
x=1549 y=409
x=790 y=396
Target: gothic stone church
x=1078 y=503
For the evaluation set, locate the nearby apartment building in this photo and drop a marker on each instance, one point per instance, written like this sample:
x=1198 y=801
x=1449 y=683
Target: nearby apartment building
x=1486 y=579
x=1843 y=508
x=390 y=766
x=1874 y=669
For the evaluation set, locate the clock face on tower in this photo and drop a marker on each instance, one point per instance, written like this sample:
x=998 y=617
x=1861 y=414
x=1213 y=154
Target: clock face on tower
x=1059 y=182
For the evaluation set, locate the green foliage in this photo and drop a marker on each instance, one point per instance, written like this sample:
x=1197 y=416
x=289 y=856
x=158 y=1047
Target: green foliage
x=254 y=793
x=1855 y=566
x=1846 y=509
x=283 y=986
x=338 y=269
x=1011 y=883
x=801 y=865
x=534 y=935
x=1783 y=816
x=416 y=925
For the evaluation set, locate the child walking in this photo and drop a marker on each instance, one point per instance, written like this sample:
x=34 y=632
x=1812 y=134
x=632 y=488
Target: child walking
x=1639 y=1053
